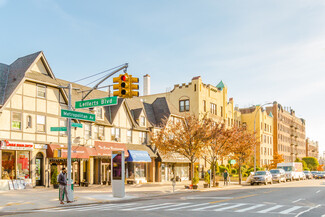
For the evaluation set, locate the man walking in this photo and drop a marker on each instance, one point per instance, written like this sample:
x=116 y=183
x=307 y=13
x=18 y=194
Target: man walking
x=62 y=180
x=225 y=177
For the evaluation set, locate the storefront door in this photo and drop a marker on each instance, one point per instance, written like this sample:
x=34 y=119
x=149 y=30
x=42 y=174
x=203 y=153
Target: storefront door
x=39 y=169
x=105 y=173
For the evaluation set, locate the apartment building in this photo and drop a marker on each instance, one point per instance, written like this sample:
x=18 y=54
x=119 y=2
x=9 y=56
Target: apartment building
x=289 y=133
x=312 y=149
x=263 y=122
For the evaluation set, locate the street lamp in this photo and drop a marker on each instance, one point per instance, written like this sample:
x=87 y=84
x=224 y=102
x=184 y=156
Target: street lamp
x=269 y=103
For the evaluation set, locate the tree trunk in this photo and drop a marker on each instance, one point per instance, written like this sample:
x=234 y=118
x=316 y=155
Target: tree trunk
x=239 y=164
x=213 y=174
x=192 y=172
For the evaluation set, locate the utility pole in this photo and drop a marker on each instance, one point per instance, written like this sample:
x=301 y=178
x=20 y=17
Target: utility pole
x=70 y=192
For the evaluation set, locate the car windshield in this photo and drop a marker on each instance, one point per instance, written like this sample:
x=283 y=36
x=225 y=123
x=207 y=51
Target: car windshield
x=306 y=172
x=275 y=171
x=287 y=168
x=260 y=173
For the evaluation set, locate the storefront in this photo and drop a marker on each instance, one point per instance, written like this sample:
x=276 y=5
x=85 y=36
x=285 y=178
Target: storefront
x=137 y=166
x=172 y=166
x=57 y=156
x=102 y=160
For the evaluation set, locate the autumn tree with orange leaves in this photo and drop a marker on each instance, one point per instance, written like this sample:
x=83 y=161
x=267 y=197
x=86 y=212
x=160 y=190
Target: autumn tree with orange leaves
x=242 y=145
x=277 y=158
x=187 y=137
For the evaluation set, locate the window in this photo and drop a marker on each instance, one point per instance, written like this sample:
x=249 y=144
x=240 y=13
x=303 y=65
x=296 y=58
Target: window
x=99 y=112
x=143 y=137
x=63 y=123
x=29 y=121
x=213 y=108
x=99 y=132
x=41 y=91
x=184 y=105
x=87 y=131
x=129 y=136
x=115 y=134
x=16 y=121
x=204 y=106
x=142 y=121
x=40 y=123
x=221 y=109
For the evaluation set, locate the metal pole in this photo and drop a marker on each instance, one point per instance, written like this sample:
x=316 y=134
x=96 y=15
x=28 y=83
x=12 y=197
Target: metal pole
x=70 y=194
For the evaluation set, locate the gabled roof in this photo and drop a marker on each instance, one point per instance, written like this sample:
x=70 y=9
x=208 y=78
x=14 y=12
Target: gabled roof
x=221 y=85
x=13 y=74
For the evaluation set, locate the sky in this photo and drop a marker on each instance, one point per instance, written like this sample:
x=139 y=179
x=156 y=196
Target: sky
x=264 y=51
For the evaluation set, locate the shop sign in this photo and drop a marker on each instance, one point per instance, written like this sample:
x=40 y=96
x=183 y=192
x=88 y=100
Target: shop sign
x=9 y=145
x=38 y=146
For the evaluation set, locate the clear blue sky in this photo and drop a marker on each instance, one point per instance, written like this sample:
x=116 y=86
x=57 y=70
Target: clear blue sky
x=263 y=50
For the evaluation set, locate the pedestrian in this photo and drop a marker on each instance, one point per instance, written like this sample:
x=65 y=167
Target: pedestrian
x=62 y=180
x=225 y=177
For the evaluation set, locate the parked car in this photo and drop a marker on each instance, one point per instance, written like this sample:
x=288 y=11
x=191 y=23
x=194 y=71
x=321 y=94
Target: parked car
x=308 y=174
x=314 y=174
x=321 y=175
x=278 y=175
x=264 y=177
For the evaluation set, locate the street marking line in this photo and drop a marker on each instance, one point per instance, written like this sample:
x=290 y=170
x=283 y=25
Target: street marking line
x=229 y=207
x=210 y=206
x=101 y=207
x=270 y=209
x=235 y=198
x=162 y=207
x=147 y=206
x=318 y=191
x=308 y=210
x=192 y=205
x=287 y=211
x=250 y=208
x=297 y=200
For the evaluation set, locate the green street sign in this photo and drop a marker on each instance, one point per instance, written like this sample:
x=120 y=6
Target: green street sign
x=96 y=102
x=77 y=115
x=76 y=125
x=232 y=161
x=58 y=129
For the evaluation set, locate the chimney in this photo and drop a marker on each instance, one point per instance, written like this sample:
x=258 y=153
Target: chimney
x=146 y=85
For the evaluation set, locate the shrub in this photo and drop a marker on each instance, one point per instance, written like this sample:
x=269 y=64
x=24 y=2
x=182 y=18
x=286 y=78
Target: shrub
x=196 y=178
x=207 y=177
x=222 y=169
x=233 y=171
x=54 y=180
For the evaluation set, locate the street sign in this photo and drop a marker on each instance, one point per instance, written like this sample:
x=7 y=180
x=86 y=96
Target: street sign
x=96 y=102
x=77 y=115
x=58 y=129
x=232 y=162
x=76 y=125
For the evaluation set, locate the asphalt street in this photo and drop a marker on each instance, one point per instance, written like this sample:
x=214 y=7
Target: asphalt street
x=303 y=198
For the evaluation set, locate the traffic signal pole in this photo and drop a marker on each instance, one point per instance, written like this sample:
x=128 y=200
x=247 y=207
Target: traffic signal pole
x=69 y=190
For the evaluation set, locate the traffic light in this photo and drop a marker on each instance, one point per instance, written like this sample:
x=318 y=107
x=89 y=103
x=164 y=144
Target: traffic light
x=133 y=86
x=122 y=86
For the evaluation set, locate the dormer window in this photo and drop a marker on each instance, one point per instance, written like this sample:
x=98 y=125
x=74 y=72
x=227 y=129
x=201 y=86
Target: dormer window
x=142 y=121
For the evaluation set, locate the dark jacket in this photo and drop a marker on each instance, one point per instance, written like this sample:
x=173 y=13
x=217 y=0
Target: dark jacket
x=62 y=180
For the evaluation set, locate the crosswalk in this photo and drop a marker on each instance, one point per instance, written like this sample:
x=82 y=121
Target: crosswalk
x=185 y=206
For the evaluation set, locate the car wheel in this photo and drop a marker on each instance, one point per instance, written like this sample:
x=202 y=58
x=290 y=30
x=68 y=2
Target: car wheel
x=265 y=183
x=252 y=183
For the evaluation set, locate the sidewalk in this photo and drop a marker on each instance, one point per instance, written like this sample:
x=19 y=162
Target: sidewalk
x=40 y=197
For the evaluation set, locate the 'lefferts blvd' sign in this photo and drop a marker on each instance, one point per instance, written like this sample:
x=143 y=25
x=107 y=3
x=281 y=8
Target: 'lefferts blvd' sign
x=77 y=115
x=97 y=102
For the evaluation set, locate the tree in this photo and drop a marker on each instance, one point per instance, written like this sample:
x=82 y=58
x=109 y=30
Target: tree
x=320 y=167
x=304 y=164
x=186 y=137
x=242 y=146
x=277 y=158
x=312 y=163
x=218 y=143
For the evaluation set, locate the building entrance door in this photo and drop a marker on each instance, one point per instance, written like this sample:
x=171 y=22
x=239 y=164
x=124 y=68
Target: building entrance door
x=105 y=173
x=39 y=169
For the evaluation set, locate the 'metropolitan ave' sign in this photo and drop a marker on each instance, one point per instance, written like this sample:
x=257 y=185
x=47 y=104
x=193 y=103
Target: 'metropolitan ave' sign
x=78 y=115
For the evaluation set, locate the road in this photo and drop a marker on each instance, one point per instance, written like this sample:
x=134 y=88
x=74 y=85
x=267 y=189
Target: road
x=303 y=198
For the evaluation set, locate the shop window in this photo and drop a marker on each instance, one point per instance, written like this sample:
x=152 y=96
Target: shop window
x=8 y=165
x=41 y=91
x=87 y=131
x=129 y=136
x=16 y=121
x=41 y=123
x=22 y=164
x=184 y=105
x=99 y=112
x=29 y=121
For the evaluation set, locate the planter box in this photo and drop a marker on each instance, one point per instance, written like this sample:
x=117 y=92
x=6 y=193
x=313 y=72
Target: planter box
x=195 y=186
x=56 y=186
x=205 y=185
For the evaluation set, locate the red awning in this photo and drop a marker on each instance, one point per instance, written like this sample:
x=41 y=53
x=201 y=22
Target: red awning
x=60 y=151
x=106 y=148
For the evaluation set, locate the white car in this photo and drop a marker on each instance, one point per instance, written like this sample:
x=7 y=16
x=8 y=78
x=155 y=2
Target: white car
x=264 y=177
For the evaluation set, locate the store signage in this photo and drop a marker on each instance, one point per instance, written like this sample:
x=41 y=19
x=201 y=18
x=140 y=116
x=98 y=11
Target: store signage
x=38 y=146
x=77 y=115
x=9 y=145
x=107 y=101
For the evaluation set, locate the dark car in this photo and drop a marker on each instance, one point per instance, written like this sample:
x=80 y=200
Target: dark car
x=314 y=174
x=278 y=175
x=308 y=174
x=321 y=175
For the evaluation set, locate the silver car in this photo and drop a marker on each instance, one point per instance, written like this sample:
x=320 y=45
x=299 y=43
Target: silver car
x=278 y=175
x=264 y=177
